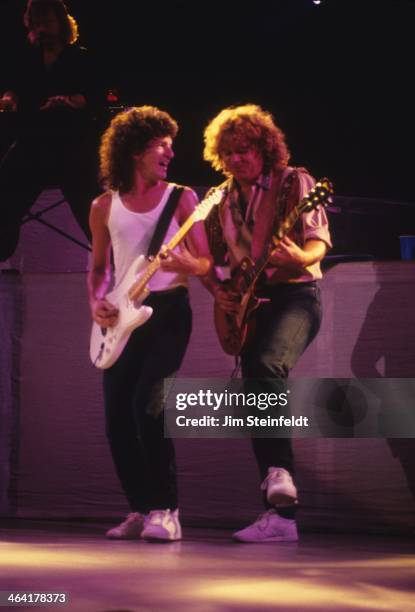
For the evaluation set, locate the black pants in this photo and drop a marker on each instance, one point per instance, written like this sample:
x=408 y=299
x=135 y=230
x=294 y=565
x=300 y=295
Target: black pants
x=133 y=389
x=285 y=326
x=36 y=160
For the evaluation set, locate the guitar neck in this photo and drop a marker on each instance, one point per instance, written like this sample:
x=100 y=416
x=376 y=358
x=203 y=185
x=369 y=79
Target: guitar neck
x=138 y=287
x=319 y=195
x=183 y=230
x=288 y=224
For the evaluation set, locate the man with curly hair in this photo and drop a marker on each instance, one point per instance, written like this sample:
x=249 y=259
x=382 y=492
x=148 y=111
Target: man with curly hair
x=54 y=87
x=244 y=143
x=135 y=154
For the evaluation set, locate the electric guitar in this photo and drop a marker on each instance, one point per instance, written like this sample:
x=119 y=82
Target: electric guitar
x=107 y=343
x=234 y=329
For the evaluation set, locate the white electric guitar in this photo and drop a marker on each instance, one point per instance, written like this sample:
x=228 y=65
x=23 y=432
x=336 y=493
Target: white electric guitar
x=107 y=343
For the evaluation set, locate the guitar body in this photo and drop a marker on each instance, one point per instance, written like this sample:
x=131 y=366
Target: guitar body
x=235 y=329
x=107 y=343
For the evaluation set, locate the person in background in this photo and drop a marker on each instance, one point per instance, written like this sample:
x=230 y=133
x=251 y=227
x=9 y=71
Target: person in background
x=54 y=88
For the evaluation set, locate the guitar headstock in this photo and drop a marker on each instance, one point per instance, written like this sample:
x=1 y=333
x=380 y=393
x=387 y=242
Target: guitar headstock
x=320 y=195
x=203 y=209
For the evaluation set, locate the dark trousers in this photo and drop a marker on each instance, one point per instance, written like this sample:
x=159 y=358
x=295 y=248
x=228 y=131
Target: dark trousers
x=133 y=389
x=285 y=326
x=40 y=159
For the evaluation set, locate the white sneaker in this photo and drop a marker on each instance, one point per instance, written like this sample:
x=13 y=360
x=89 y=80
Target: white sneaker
x=130 y=529
x=269 y=527
x=162 y=525
x=280 y=488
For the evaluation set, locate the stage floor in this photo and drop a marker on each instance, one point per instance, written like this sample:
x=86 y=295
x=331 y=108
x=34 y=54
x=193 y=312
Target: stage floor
x=207 y=571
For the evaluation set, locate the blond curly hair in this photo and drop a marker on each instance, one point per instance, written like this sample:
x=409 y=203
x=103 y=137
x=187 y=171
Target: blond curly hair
x=250 y=123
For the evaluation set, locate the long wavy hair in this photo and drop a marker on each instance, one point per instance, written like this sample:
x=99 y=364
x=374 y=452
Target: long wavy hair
x=251 y=124
x=130 y=132
x=69 y=27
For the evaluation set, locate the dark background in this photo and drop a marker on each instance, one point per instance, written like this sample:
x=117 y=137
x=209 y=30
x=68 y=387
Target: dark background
x=337 y=76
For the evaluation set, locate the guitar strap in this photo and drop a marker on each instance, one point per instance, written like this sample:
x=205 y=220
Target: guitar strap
x=164 y=221
x=216 y=240
x=287 y=200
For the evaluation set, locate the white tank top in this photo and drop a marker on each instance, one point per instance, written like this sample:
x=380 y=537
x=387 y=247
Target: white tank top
x=131 y=233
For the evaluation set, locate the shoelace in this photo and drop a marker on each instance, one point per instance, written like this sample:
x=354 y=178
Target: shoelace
x=263 y=519
x=156 y=516
x=132 y=517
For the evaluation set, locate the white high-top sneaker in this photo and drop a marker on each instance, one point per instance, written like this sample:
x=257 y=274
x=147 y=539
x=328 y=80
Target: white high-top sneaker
x=280 y=488
x=269 y=527
x=162 y=525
